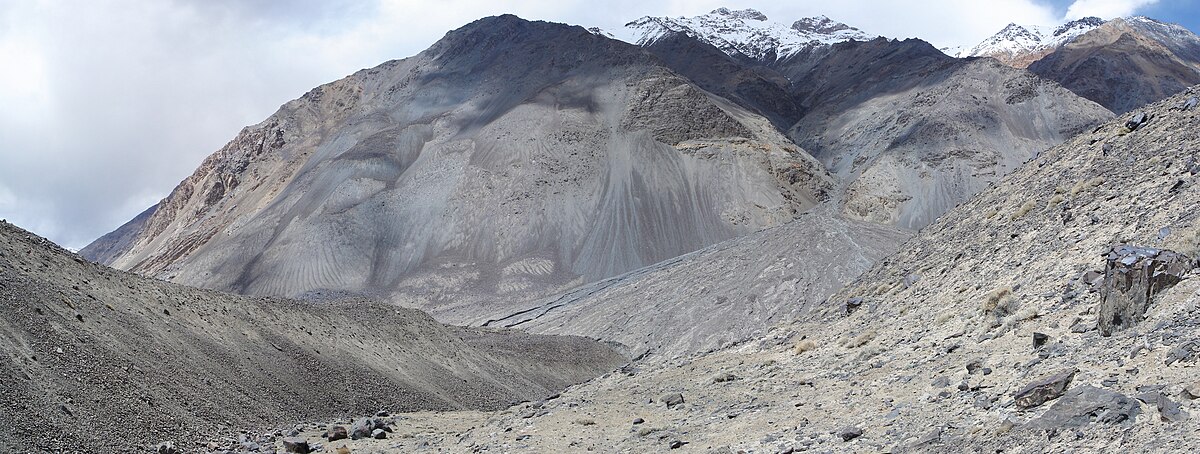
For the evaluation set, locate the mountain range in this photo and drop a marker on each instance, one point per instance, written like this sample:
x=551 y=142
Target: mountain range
x=723 y=222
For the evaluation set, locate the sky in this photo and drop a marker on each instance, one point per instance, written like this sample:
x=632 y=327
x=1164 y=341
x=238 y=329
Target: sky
x=105 y=105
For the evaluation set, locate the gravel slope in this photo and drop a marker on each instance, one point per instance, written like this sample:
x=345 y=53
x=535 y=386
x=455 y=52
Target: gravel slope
x=99 y=360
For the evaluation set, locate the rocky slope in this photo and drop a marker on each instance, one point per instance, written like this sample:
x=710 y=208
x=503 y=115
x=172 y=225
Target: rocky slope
x=908 y=131
x=744 y=34
x=911 y=133
x=1126 y=63
x=107 y=248
x=717 y=296
x=1020 y=45
x=98 y=360
x=509 y=161
x=979 y=334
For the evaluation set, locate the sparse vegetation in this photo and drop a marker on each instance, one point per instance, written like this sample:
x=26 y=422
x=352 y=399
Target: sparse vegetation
x=1054 y=201
x=805 y=346
x=860 y=340
x=1023 y=210
x=999 y=302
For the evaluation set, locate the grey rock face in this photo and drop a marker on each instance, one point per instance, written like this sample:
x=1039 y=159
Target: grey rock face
x=1085 y=405
x=1043 y=390
x=510 y=161
x=1133 y=275
x=1126 y=63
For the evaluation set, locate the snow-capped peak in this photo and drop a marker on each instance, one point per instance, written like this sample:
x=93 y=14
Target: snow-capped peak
x=745 y=32
x=1017 y=44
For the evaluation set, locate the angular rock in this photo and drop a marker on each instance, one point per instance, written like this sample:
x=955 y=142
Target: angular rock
x=849 y=433
x=1137 y=121
x=362 y=429
x=1169 y=410
x=1192 y=391
x=1132 y=277
x=1084 y=405
x=1046 y=389
x=378 y=434
x=671 y=399
x=296 y=445
x=1039 y=340
x=336 y=433
x=637 y=421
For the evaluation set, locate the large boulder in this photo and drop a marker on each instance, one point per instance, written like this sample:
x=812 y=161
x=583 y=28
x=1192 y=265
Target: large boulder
x=1132 y=277
x=1084 y=405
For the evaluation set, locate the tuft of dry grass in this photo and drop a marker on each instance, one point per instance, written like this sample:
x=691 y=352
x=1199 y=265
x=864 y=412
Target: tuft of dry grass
x=1024 y=210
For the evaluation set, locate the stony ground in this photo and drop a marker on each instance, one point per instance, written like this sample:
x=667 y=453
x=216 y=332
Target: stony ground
x=98 y=360
x=930 y=350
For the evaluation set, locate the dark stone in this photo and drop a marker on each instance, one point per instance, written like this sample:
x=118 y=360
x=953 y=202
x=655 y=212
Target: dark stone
x=637 y=421
x=336 y=433
x=1039 y=340
x=378 y=434
x=1084 y=405
x=672 y=399
x=165 y=447
x=1137 y=121
x=296 y=444
x=974 y=366
x=853 y=304
x=1044 y=390
x=676 y=444
x=1132 y=277
x=381 y=414
x=849 y=433
x=362 y=429
x=1169 y=410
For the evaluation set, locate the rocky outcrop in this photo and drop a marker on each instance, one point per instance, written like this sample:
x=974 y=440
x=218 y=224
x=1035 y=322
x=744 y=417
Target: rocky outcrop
x=1132 y=277
x=1126 y=63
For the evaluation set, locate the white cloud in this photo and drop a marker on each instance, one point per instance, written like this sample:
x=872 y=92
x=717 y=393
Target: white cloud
x=108 y=104
x=1105 y=9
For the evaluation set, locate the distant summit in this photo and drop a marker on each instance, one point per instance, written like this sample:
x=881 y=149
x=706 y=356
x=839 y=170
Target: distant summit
x=1020 y=45
x=745 y=33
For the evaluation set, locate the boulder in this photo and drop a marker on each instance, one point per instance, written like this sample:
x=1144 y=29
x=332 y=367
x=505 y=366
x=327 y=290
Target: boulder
x=296 y=445
x=362 y=429
x=336 y=433
x=378 y=434
x=1137 y=121
x=1043 y=390
x=1132 y=276
x=849 y=433
x=1085 y=405
x=671 y=399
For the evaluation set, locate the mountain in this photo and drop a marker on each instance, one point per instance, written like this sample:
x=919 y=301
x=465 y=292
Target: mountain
x=745 y=34
x=509 y=161
x=1020 y=45
x=978 y=335
x=717 y=296
x=1126 y=63
x=89 y=351
x=912 y=133
x=108 y=247
x=908 y=131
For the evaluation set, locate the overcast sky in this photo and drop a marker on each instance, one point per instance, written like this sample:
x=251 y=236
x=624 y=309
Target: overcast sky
x=106 y=105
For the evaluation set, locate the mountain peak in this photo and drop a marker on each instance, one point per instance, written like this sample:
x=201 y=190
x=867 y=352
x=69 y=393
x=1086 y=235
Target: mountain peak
x=745 y=14
x=745 y=33
x=1019 y=45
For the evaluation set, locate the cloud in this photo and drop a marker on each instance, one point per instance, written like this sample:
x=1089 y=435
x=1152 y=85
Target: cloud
x=108 y=104
x=1105 y=9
